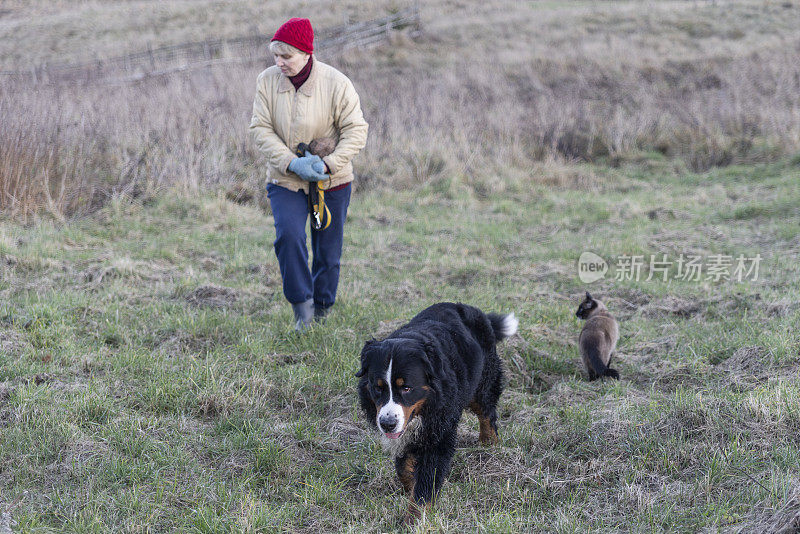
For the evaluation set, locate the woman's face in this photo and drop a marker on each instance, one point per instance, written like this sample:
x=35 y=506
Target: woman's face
x=290 y=64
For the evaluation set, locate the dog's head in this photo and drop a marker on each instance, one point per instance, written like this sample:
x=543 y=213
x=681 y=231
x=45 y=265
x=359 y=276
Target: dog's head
x=588 y=307
x=396 y=376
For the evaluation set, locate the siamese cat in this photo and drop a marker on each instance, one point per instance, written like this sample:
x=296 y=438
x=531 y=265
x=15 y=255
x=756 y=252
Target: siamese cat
x=598 y=338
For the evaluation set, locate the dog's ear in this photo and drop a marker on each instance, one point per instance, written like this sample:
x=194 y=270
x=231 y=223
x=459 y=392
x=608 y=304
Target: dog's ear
x=365 y=357
x=433 y=366
x=588 y=296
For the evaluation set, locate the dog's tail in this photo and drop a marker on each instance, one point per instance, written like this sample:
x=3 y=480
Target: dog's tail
x=503 y=325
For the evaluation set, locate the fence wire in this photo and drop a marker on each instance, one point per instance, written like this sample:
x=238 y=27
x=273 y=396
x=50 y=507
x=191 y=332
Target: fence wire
x=185 y=56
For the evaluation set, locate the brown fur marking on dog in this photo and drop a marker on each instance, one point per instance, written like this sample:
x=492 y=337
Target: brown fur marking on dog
x=409 y=411
x=487 y=435
x=407 y=476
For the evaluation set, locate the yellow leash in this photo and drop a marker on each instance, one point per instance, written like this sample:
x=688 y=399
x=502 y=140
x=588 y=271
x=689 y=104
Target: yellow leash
x=320 y=214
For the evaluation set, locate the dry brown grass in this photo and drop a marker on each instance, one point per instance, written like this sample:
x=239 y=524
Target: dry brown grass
x=34 y=32
x=487 y=98
x=32 y=163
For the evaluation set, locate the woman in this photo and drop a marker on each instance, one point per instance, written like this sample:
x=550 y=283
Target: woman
x=298 y=100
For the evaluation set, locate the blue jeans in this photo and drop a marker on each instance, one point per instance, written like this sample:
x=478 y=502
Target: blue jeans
x=290 y=212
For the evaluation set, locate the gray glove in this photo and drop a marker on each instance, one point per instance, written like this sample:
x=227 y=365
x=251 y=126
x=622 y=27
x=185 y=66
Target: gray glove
x=318 y=166
x=307 y=168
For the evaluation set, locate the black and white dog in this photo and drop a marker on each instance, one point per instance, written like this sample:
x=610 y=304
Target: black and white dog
x=416 y=383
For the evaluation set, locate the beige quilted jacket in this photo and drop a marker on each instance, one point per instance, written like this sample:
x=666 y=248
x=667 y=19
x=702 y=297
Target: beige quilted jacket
x=326 y=105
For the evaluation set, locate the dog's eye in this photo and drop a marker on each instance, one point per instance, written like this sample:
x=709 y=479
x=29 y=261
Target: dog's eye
x=405 y=389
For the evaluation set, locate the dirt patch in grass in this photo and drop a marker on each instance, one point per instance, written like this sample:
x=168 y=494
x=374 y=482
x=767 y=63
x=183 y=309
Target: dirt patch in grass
x=269 y=274
x=12 y=343
x=475 y=462
x=644 y=350
x=211 y=262
x=745 y=360
x=753 y=365
x=300 y=400
x=661 y=214
x=463 y=276
x=124 y=268
x=781 y=308
x=764 y=518
x=520 y=371
x=63 y=382
x=289 y=358
x=387 y=327
x=787 y=519
x=5 y=412
x=668 y=378
x=343 y=433
x=646 y=366
x=84 y=450
x=512 y=272
x=213 y=296
x=672 y=305
x=630 y=298
x=180 y=341
x=33 y=264
x=406 y=291
x=571 y=178
x=689 y=421
x=210 y=406
x=634 y=301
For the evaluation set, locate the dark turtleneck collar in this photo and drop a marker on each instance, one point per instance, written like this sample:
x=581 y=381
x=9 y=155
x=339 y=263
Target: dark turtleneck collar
x=301 y=77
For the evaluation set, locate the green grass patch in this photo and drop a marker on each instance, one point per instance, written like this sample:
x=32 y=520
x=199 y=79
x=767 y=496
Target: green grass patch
x=155 y=382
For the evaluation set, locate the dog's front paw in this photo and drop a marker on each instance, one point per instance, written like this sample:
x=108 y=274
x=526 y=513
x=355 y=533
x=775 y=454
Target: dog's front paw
x=488 y=434
x=489 y=439
x=413 y=514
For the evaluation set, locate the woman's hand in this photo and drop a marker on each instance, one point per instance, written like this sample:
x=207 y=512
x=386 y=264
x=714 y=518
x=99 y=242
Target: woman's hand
x=319 y=166
x=308 y=168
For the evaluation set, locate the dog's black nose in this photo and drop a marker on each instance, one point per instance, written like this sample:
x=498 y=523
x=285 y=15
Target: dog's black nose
x=388 y=422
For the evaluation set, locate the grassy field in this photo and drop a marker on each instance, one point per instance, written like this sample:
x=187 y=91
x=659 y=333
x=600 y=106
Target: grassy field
x=150 y=380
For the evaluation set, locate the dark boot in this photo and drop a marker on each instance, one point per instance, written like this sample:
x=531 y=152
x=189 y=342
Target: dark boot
x=320 y=312
x=303 y=314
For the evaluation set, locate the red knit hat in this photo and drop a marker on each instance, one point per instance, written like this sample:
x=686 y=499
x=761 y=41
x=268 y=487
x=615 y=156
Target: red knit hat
x=298 y=33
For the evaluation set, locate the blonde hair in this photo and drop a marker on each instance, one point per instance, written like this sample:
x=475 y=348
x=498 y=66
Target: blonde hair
x=284 y=49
